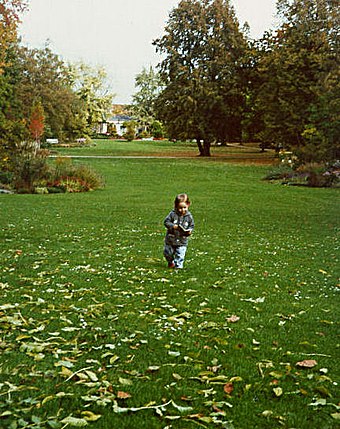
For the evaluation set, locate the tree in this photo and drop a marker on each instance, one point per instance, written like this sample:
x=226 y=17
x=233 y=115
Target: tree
x=12 y=127
x=298 y=90
x=91 y=87
x=130 y=127
x=10 y=11
x=44 y=76
x=204 y=90
x=149 y=85
x=36 y=124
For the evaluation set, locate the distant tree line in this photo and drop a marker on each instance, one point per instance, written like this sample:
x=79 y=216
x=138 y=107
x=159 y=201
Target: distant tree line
x=281 y=91
x=40 y=95
x=214 y=84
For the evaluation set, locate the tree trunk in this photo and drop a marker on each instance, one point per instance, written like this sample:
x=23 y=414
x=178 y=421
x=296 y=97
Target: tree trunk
x=206 y=148
x=200 y=146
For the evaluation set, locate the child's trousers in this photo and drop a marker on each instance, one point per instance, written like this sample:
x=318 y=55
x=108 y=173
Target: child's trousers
x=175 y=254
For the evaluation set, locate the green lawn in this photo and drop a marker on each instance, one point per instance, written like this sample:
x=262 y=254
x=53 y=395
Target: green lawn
x=155 y=148
x=95 y=327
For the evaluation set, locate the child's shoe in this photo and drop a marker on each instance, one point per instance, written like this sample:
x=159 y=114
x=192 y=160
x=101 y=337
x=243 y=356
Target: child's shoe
x=171 y=265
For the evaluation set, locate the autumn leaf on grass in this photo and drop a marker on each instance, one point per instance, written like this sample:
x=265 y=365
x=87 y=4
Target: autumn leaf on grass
x=72 y=421
x=278 y=391
x=123 y=395
x=90 y=417
x=228 y=388
x=308 y=363
x=153 y=368
x=233 y=319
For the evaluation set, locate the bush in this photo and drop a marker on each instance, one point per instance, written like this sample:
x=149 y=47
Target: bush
x=30 y=167
x=70 y=178
x=310 y=174
x=6 y=177
x=33 y=174
x=279 y=173
x=90 y=177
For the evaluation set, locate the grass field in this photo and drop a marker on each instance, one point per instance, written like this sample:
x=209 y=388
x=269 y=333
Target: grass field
x=164 y=148
x=96 y=331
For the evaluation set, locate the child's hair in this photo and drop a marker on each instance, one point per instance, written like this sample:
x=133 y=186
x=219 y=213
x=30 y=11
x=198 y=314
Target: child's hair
x=181 y=198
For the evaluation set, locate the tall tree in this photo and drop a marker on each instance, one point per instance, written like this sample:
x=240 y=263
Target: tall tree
x=10 y=11
x=44 y=77
x=298 y=66
x=202 y=70
x=91 y=86
x=149 y=85
x=12 y=128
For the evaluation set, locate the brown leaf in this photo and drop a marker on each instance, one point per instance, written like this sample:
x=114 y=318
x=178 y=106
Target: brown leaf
x=123 y=395
x=233 y=319
x=228 y=388
x=218 y=410
x=308 y=363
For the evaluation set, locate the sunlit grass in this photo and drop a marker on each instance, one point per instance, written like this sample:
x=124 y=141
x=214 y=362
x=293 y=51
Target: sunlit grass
x=92 y=322
x=107 y=147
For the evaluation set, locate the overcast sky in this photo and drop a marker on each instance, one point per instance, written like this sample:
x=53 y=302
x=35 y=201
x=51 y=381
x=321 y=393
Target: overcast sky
x=118 y=34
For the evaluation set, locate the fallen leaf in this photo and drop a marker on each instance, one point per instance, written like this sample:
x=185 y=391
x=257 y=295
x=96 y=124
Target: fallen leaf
x=123 y=395
x=114 y=359
x=228 y=388
x=308 y=363
x=90 y=417
x=278 y=391
x=233 y=319
x=153 y=368
x=125 y=381
x=72 y=421
x=318 y=402
x=177 y=377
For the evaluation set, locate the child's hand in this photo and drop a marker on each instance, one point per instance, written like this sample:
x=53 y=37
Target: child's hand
x=175 y=227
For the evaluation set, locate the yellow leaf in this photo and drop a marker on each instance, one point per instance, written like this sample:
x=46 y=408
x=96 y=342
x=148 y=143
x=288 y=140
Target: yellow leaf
x=234 y=379
x=92 y=375
x=114 y=359
x=47 y=399
x=278 y=391
x=90 y=417
x=336 y=416
x=125 y=381
x=176 y=376
x=65 y=372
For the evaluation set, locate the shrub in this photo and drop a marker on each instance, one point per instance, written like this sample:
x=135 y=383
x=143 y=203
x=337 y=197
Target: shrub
x=73 y=178
x=90 y=177
x=280 y=172
x=310 y=174
x=73 y=184
x=30 y=167
x=6 y=177
x=157 y=129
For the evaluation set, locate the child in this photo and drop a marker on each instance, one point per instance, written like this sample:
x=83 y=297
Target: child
x=179 y=224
